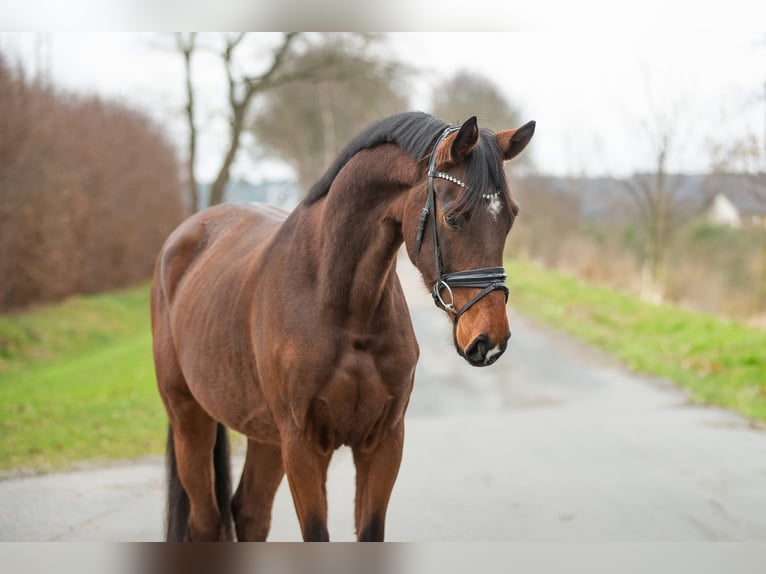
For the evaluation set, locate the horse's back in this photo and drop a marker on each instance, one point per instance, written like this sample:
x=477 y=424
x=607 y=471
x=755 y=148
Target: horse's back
x=230 y=228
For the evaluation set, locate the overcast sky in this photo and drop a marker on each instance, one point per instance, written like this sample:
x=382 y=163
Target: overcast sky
x=589 y=90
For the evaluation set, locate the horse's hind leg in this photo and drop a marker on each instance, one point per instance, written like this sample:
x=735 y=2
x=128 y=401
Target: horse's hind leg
x=194 y=438
x=199 y=450
x=255 y=495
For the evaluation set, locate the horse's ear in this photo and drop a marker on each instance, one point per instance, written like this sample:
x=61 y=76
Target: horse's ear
x=513 y=141
x=465 y=140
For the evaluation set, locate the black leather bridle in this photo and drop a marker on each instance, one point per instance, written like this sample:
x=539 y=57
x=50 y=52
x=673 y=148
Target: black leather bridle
x=487 y=279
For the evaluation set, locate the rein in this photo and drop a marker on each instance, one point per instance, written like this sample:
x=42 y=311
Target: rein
x=487 y=279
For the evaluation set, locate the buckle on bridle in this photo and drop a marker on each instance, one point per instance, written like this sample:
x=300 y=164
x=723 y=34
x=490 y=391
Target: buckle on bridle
x=449 y=307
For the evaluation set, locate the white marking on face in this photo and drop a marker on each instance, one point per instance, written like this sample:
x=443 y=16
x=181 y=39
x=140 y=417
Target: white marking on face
x=495 y=206
x=491 y=353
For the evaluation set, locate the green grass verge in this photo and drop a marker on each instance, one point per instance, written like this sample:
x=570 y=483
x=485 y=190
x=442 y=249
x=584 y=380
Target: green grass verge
x=77 y=383
x=721 y=362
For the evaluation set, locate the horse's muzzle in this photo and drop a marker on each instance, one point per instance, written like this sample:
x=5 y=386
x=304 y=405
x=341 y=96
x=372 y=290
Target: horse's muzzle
x=482 y=352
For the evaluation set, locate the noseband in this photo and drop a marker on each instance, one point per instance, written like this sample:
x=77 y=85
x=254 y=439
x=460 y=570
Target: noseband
x=487 y=279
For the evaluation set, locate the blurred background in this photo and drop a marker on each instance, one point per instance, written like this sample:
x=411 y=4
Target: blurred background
x=648 y=171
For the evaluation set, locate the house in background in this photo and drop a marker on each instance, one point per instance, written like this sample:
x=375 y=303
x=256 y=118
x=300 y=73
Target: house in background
x=736 y=201
x=723 y=212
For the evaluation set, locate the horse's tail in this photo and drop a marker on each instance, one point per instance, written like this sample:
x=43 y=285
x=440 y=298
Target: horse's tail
x=222 y=466
x=177 y=518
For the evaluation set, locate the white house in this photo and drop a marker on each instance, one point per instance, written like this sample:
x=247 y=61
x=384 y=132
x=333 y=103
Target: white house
x=723 y=212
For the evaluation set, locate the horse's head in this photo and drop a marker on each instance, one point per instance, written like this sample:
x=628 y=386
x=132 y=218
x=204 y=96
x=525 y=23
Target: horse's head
x=455 y=227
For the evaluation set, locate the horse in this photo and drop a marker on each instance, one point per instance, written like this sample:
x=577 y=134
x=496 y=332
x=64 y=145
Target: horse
x=293 y=330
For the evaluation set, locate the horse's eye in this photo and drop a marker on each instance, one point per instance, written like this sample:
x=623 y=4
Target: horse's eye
x=452 y=221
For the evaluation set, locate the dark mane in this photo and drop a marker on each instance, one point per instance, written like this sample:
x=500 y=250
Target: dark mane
x=414 y=132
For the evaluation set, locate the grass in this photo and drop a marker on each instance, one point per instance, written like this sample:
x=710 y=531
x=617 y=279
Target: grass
x=719 y=361
x=77 y=383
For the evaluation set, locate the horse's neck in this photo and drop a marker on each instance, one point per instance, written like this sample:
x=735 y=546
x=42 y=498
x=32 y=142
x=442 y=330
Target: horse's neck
x=357 y=263
x=359 y=237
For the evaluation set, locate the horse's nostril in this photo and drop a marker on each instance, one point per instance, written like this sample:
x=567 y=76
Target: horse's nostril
x=477 y=350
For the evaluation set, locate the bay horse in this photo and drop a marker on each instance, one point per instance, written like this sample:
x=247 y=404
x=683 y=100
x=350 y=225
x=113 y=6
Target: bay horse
x=293 y=329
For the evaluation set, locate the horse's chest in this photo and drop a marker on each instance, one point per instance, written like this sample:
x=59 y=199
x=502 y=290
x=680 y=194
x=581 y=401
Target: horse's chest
x=359 y=396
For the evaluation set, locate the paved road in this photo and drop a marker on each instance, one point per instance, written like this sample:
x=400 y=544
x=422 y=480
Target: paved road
x=553 y=443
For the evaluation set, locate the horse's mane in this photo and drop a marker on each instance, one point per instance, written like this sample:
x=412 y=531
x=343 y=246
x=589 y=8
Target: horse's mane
x=415 y=133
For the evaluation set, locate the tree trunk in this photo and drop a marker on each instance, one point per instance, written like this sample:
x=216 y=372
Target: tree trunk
x=239 y=106
x=218 y=190
x=192 y=180
x=660 y=216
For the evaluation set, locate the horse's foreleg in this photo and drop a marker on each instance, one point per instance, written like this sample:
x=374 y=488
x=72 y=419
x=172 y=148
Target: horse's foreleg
x=306 y=469
x=255 y=495
x=376 y=473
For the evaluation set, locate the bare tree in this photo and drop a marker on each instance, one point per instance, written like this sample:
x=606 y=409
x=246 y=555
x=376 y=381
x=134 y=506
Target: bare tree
x=279 y=66
x=307 y=122
x=467 y=94
x=242 y=89
x=661 y=208
x=742 y=156
x=186 y=44
x=654 y=194
x=745 y=154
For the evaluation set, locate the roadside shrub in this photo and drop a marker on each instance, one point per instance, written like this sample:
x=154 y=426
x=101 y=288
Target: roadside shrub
x=89 y=190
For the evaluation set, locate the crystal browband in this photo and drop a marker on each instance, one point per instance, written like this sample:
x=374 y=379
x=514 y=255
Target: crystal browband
x=461 y=183
x=448 y=177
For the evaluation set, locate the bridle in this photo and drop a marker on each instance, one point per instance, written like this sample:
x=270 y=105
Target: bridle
x=487 y=279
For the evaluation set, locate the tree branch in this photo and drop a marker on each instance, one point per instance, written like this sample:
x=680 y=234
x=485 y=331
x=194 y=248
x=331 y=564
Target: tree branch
x=254 y=83
x=642 y=196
